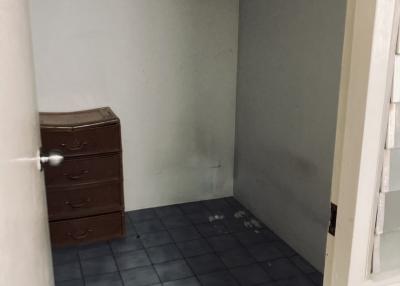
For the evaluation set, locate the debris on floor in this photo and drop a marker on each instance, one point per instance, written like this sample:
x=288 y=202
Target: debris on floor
x=240 y=214
x=215 y=217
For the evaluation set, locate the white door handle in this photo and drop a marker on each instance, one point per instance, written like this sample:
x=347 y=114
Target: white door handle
x=54 y=158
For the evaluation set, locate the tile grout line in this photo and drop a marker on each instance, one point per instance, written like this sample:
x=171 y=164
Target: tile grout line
x=116 y=263
x=213 y=251
x=138 y=236
x=148 y=256
x=180 y=251
x=152 y=266
x=81 y=267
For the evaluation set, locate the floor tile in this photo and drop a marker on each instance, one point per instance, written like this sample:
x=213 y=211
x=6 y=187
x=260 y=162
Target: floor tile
x=171 y=222
x=317 y=278
x=149 y=226
x=265 y=252
x=69 y=271
x=98 y=265
x=173 y=210
x=236 y=257
x=130 y=231
x=250 y=275
x=269 y=234
x=298 y=281
x=250 y=237
x=239 y=225
x=223 y=242
x=183 y=282
x=302 y=264
x=217 y=204
x=223 y=278
x=132 y=259
x=205 y=264
x=94 y=250
x=212 y=229
x=281 y=269
x=199 y=218
x=164 y=253
x=142 y=276
x=284 y=248
x=71 y=283
x=173 y=270
x=195 y=207
x=194 y=247
x=111 y=279
x=129 y=228
x=126 y=244
x=184 y=234
x=238 y=208
x=156 y=239
x=65 y=255
x=141 y=215
x=219 y=250
x=235 y=203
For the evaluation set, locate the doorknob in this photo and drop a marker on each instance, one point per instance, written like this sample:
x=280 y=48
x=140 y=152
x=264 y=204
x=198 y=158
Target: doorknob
x=54 y=158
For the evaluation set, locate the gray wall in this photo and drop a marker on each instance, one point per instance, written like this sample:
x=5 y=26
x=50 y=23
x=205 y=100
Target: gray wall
x=288 y=83
x=167 y=68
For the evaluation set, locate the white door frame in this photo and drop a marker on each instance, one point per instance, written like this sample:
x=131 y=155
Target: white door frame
x=367 y=68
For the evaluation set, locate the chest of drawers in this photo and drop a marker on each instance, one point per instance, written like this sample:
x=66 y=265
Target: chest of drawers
x=84 y=193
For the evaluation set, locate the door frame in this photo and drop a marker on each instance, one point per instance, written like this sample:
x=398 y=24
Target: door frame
x=366 y=81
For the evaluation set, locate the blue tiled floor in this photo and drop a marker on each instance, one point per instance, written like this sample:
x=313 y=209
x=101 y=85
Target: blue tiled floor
x=209 y=243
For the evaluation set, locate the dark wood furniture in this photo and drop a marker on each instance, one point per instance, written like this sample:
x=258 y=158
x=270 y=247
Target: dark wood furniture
x=84 y=193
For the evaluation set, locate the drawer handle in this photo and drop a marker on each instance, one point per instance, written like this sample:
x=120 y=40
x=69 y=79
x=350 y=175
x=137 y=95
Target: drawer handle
x=78 y=205
x=76 y=146
x=80 y=236
x=78 y=176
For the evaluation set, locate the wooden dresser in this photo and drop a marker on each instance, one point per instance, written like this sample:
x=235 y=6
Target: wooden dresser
x=85 y=192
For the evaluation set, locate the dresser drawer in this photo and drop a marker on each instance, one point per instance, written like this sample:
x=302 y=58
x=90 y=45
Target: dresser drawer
x=78 y=171
x=82 y=141
x=85 y=230
x=65 y=203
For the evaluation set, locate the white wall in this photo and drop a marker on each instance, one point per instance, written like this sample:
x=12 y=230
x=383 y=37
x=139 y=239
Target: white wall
x=288 y=84
x=167 y=68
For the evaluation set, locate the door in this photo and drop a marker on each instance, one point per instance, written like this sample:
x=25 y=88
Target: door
x=366 y=88
x=25 y=257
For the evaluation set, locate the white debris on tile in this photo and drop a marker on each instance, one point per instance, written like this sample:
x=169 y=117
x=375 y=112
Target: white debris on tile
x=253 y=223
x=248 y=224
x=239 y=214
x=215 y=217
x=256 y=223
